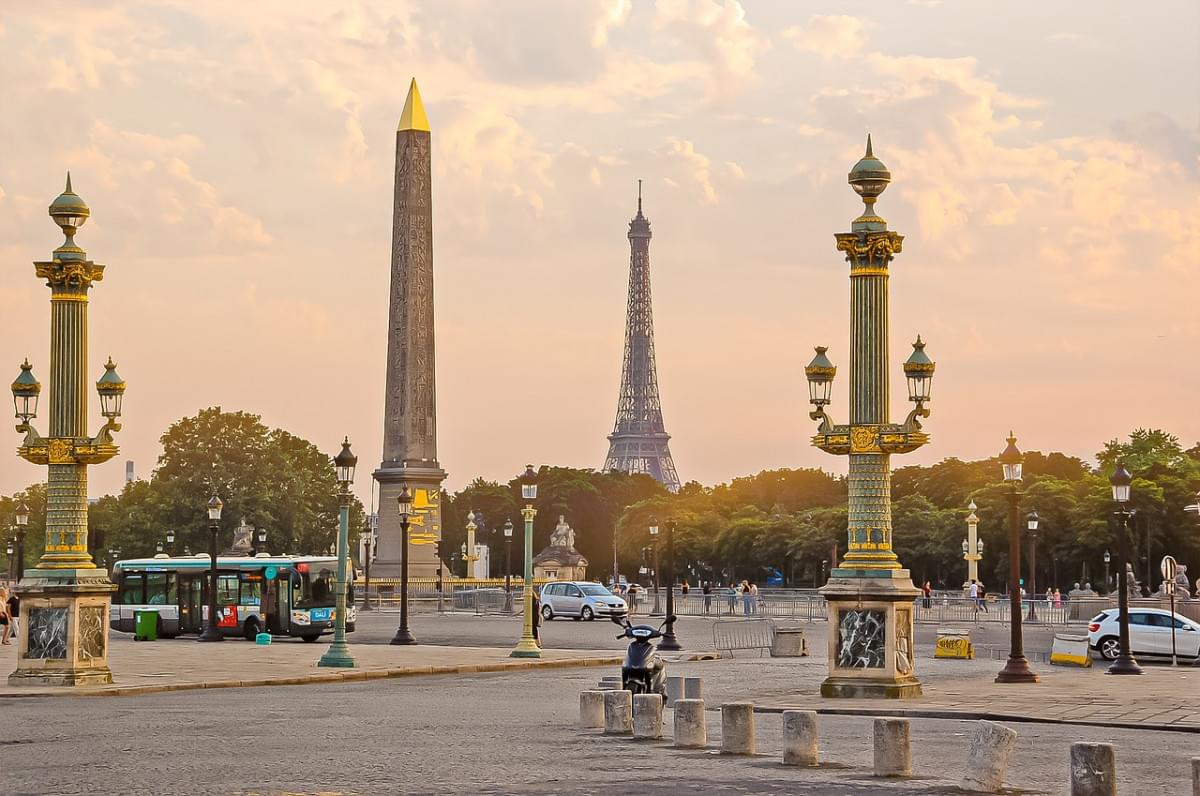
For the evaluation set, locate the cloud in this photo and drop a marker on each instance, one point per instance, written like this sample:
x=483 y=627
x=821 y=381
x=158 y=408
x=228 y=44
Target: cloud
x=719 y=33
x=829 y=36
x=1078 y=39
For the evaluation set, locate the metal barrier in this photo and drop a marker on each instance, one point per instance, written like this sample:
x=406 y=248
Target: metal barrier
x=959 y=609
x=744 y=634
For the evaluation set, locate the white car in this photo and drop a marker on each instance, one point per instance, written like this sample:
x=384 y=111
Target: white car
x=580 y=600
x=1149 y=634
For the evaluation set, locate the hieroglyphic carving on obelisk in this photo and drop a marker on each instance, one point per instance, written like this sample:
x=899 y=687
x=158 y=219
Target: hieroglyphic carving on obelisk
x=410 y=408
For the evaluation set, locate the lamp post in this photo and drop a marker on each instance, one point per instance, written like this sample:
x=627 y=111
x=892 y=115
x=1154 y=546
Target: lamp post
x=1121 y=482
x=171 y=538
x=972 y=546
x=1032 y=521
x=22 y=518
x=12 y=558
x=368 y=542
x=404 y=504
x=1016 y=669
x=469 y=545
x=870 y=595
x=508 y=532
x=211 y=631
x=527 y=647
x=338 y=655
x=261 y=548
x=657 y=609
x=669 y=641
x=66 y=597
x=1107 y=581
x=158 y=550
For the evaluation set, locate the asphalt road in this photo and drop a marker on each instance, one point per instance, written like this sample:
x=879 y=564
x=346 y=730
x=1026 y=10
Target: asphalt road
x=512 y=732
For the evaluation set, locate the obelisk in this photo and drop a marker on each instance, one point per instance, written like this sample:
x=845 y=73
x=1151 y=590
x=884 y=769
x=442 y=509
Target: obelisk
x=410 y=409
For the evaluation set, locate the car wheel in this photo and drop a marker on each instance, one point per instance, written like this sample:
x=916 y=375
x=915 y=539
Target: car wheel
x=586 y=614
x=250 y=629
x=547 y=613
x=1110 y=648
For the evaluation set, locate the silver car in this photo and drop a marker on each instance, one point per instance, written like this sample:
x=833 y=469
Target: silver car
x=580 y=600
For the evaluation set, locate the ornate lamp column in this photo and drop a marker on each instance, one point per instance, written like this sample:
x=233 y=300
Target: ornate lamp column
x=973 y=546
x=1122 y=482
x=338 y=655
x=470 y=544
x=1016 y=668
x=64 y=638
x=1031 y=522
x=657 y=609
x=669 y=641
x=508 y=532
x=527 y=647
x=869 y=595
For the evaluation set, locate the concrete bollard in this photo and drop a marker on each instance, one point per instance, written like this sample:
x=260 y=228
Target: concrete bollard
x=647 y=716
x=1196 y=773
x=987 y=761
x=800 y=738
x=737 y=728
x=618 y=712
x=591 y=709
x=674 y=689
x=693 y=688
x=689 y=724
x=893 y=752
x=1093 y=769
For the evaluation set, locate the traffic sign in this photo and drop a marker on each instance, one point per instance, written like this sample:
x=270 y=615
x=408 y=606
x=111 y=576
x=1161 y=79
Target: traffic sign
x=1169 y=569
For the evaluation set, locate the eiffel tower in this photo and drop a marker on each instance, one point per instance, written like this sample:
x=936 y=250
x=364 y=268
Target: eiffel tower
x=638 y=443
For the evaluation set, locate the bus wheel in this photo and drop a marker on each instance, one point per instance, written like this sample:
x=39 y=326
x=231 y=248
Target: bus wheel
x=310 y=638
x=250 y=629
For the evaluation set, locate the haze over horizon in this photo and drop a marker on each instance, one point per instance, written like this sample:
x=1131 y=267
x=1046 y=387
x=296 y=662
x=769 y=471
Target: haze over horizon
x=238 y=164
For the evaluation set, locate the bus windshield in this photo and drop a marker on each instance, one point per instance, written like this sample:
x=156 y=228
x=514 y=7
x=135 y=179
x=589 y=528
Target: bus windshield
x=315 y=588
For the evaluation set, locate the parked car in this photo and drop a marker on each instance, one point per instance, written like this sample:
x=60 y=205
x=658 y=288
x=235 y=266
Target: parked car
x=580 y=600
x=1149 y=634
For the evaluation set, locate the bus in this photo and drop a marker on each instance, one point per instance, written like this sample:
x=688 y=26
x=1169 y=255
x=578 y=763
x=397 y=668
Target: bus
x=280 y=595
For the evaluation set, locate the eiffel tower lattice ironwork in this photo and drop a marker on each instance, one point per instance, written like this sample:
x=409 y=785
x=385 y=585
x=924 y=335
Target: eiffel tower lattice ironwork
x=638 y=443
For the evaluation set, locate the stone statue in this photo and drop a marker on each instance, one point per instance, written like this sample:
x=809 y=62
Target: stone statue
x=563 y=535
x=1181 y=584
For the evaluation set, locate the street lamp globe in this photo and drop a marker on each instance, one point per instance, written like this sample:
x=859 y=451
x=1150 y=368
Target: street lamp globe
x=171 y=536
x=965 y=547
x=10 y=547
x=1032 y=520
x=529 y=483
x=404 y=503
x=1107 y=557
x=262 y=536
x=344 y=463
x=979 y=546
x=22 y=514
x=25 y=390
x=158 y=547
x=508 y=529
x=918 y=369
x=653 y=526
x=1121 y=481
x=820 y=373
x=214 y=508
x=111 y=388
x=1010 y=461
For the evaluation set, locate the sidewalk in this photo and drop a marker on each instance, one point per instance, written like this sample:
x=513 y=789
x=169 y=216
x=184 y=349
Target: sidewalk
x=183 y=664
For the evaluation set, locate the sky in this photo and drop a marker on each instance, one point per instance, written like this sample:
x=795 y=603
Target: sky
x=237 y=158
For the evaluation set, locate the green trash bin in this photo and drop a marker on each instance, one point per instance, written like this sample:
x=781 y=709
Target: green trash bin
x=145 y=625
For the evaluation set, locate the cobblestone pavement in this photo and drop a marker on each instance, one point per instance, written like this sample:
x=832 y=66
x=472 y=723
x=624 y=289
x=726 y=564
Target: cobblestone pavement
x=512 y=732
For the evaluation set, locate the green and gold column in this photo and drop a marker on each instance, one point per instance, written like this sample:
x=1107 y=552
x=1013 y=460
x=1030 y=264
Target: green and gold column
x=65 y=598
x=869 y=595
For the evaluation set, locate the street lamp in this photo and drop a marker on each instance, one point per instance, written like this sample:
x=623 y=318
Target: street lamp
x=469 y=545
x=211 y=631
x=669 y=642
x=368 y=540
x=1016 y=669
x=158 y=550
x=1107 y=580
x=12 y=559
x=657 y=609
x=21 y=515
x=527 y=647
x=972 y=546
x=1031 y=522
x=171 y=538
x=404 y=505
x=1121 y=482
x=508 y=532
x=338 y=655
x=260 y=549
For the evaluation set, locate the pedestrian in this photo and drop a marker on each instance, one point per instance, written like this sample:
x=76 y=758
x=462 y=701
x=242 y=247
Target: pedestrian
x=983 y=598
x=974 y=594
x=634 y=591
x=707 y=591
x=683 y=587
x=4 y=617
x=746 y=598
x=13 y=604
x=731 y=597
x=1057 y=599
x=1049 y=596
x=927 y=595
x=754 y=601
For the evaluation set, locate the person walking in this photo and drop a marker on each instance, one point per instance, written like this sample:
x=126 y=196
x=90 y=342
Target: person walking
x=731 y=597
x=706 y=589
x=7 y=630
x=745 y=590
x=13 y=604
x=754 y=603
x=974 y=594
x=1057 y=599
x=983 y=598
x=927 y=595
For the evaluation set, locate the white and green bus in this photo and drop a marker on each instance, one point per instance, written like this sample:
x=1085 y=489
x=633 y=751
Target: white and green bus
x=280 y=595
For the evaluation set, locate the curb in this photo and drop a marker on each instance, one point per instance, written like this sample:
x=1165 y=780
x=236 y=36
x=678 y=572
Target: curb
x=349 y=676
x=971 y=715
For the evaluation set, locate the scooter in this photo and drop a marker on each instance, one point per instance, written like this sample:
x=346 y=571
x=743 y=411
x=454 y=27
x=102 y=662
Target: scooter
x=643 y=671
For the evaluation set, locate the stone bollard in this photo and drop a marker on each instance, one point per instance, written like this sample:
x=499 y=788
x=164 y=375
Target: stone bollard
x=800 y=738
x=689 y=724
x=693 y=688
x=1196 y=773
x=674 y=689
x=647 y=716
x=893 y=753
x=1093 y=769
x=591 y=709
x=987 y=761
x=737 y=728
x=618 y=712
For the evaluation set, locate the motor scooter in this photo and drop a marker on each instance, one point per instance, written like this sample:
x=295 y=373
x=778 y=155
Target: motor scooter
x=643 y=671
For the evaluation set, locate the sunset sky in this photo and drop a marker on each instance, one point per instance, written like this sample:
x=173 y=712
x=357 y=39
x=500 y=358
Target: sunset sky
x=237 y=157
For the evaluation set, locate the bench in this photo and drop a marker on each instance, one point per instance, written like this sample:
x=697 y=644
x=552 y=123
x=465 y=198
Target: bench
x=744 y=634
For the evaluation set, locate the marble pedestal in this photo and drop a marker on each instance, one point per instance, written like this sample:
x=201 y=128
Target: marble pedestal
x=64 y=628
x=870 y=634
x=425 y=485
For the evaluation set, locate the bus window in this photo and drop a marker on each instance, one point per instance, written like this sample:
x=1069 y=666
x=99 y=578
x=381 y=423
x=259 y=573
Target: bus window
x=132 y=591
x=227 y=589
x=251 y=589
x=316 y=590
x=157 y=591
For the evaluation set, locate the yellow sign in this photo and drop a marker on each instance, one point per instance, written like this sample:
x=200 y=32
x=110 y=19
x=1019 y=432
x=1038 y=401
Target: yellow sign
x=954 y=647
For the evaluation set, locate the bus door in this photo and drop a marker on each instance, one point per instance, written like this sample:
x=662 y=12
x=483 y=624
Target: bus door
x=276 y=610
x=191 y=602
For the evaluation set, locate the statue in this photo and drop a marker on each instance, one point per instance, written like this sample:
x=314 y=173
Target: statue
x=1181 y=584
x=562 y=535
